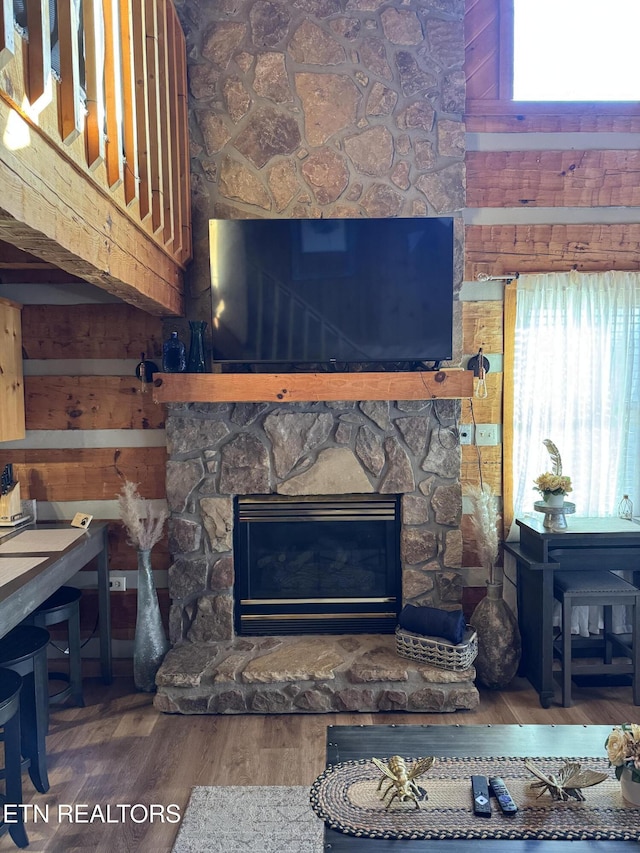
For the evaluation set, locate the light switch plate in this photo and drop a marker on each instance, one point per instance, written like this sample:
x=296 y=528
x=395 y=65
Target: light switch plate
x=486 y=435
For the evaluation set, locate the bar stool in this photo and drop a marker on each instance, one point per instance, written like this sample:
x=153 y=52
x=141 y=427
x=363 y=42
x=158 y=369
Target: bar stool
x=24 y=650
x=63 y=606
x=10 y=686
x=605 y=589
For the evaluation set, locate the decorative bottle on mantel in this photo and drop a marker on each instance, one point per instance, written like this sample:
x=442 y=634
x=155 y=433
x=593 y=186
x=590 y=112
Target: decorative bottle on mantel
x=174 y=358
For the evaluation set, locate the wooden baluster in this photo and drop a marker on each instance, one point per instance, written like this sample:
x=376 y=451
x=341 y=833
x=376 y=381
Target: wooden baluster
x=141 y=111
x=154 y=110
x=166 y=137
x=38 y=49
x=174 y=127
x=113 y=93
x=7 y=46
x=94 y=69
x=129 y=103
x=183 y=144
x=71 y=107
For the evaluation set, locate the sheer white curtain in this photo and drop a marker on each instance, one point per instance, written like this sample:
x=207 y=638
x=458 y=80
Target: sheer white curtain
x=577 y=382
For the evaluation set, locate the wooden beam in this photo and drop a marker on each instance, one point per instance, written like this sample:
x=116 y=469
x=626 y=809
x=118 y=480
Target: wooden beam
x=6 y=31
x=12 y=258
x=12 y=422
x=304 y=387
x=98 y=243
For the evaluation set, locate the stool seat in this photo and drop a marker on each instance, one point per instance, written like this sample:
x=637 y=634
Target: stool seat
x=606 y=589
x=24 y=651
x=10 y=687
x=64 y=606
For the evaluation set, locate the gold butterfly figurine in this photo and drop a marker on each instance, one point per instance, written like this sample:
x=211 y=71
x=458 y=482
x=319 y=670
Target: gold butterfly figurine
x=567 y=782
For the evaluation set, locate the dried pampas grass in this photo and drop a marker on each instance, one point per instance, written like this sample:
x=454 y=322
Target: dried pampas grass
x=484 y=523
x=142 y=519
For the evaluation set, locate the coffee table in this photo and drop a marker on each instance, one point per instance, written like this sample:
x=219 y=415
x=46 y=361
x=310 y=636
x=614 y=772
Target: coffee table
x=348 y=743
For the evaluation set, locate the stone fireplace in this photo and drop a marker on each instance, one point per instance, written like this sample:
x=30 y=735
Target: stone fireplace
x=406 y=450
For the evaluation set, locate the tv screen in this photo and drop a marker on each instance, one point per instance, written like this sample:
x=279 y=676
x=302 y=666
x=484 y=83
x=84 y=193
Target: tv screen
x=332 y=291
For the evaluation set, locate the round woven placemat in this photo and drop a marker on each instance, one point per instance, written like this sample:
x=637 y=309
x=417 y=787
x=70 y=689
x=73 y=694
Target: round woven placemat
x=346 y=797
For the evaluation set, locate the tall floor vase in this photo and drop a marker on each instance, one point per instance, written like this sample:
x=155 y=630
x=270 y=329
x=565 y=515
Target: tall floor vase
x=150 y=643
x=499 y=642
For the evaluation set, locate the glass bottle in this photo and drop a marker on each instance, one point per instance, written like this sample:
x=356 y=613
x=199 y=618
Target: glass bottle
x=196 y=363
x=174 y=359
x=625 y=508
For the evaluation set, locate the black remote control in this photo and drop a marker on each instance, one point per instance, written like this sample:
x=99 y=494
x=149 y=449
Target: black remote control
x=505 y=800
x=480 y=791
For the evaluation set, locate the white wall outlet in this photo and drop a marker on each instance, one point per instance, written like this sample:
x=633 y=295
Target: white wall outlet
x=117 y=583
x=486 y=435
x=465 y=431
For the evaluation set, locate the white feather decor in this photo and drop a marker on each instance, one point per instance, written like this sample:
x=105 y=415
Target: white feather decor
x=142 y=519
x=484 y=523
x=554 y=453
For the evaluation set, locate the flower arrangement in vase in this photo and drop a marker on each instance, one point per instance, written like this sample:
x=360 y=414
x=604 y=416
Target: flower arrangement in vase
x=553 y=485
x=623 y=751
x=144 y=522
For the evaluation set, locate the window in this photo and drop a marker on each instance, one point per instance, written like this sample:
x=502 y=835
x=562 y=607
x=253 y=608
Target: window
x=575 y=50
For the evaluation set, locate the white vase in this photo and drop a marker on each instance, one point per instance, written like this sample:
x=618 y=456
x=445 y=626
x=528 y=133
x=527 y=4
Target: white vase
x=630 y=789
x=553 y=500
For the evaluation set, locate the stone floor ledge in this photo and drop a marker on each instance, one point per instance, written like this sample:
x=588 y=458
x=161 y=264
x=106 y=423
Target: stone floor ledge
x=306 y=674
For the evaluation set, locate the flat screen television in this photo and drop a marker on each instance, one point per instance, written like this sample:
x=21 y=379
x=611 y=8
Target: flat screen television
x=332 y=291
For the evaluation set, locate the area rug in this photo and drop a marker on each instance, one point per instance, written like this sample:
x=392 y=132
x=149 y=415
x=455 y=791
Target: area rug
x=346 y=797
x=256 y=819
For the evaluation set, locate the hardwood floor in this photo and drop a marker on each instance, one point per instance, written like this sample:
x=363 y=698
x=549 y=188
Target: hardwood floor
x=120 y=750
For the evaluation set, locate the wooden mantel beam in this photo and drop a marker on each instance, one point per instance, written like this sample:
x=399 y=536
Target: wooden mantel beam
x=49 y=209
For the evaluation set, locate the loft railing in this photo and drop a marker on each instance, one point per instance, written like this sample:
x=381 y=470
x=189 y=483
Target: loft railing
x=106 y=82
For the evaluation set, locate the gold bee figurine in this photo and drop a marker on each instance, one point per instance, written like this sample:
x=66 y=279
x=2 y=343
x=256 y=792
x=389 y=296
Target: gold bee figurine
x=402 y=778
x=567 y=782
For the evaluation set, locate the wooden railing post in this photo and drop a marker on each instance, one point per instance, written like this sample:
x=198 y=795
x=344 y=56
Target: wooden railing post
x=71 y=106
x=129 y=104
x=38 y=49
x=6 y=31
x=94 y=70
x=112 y=93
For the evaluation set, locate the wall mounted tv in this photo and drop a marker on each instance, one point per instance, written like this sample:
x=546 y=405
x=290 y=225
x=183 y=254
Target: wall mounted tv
x=332 y=292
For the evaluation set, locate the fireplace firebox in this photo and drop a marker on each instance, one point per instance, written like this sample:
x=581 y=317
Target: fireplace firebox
x=317 y=565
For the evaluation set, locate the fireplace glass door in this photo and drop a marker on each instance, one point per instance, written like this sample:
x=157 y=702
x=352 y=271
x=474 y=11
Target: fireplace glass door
x=317 y=565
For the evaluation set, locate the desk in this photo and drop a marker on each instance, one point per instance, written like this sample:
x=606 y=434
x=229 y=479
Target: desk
x=589 y=544
x=348 y=743
x=22 y=595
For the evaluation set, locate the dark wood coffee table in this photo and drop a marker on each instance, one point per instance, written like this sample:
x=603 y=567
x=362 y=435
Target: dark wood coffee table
x=347 y=743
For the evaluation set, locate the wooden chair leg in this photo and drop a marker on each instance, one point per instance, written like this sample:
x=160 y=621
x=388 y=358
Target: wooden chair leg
x=13 y=777
x=607 y=618
x=566 y=651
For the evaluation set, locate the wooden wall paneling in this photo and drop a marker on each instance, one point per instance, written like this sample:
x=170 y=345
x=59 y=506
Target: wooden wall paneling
x=553 y=178
x=505 y=50
x=123 y=557
x=551 y=248
x=87 y=473
x=129 y=105
x=94 y=79
x=154 y=108
x=123 y=612
x=12 y=410
x=487 y=460
x=6 y=32
x=482 y=27
x=487 y=410
x=166 y=137
x=139 y=47
x=38 y=49
x=70 y=102
x=484 y=116
x=112 y=93
x=89 y=402
x=90 y=331
x=482 y=327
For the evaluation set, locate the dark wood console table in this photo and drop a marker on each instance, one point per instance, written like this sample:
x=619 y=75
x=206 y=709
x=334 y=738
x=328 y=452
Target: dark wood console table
x=349 y=743
x=21 y=595
x=588 y=544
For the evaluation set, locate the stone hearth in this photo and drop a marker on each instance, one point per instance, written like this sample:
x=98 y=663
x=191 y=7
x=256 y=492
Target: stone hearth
x=311 y=674
x=219 y=451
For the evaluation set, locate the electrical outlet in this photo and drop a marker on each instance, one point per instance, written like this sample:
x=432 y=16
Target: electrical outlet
x=117 y=584
x=486 y=435
x=465 y=431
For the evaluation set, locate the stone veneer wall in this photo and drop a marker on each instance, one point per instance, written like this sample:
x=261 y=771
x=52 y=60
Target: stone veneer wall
x=221 y=450
x=323 y=108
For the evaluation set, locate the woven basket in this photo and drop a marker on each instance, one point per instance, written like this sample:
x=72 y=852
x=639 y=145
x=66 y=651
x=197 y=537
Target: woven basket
x=437 y=651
